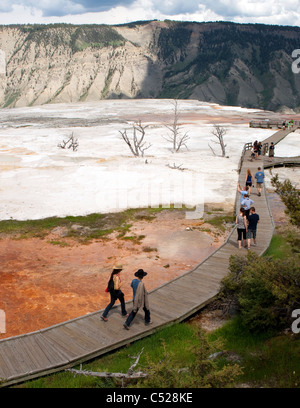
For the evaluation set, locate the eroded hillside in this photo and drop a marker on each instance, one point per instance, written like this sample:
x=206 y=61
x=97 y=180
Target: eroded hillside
x=247 y=65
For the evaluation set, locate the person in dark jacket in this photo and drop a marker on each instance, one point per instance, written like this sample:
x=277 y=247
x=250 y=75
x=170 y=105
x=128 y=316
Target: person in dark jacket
x=114 y=289
x=253 y=220
x=271 y=151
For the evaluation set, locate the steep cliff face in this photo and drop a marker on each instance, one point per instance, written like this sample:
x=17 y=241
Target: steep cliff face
x=246 y=65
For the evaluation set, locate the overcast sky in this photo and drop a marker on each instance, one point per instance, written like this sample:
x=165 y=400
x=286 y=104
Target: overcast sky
x=283 y=12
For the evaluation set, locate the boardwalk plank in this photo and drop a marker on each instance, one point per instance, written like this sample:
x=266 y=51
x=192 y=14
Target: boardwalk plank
x=5 y=370
x=14 y=359
x=43 y=353
x=80 y=337
x=104 y=333
x=32 y=354
x=63 y=343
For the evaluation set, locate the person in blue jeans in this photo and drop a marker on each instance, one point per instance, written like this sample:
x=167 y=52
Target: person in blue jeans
x=114 y=288
x=253 y=220
x=140 y=299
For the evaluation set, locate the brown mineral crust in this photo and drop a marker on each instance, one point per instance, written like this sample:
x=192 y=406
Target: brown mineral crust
x=43 y=284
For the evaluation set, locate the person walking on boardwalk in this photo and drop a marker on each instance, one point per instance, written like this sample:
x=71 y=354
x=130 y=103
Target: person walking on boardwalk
x=252 y=154
x=271 y=151
x=259 y=176
x=114 y=289
x=241 y=222
x=242 y=191
x=255 y=148
x=259 y=147
x=253 y=220
x=248 y=181
x=246 y=204
x=140 y=299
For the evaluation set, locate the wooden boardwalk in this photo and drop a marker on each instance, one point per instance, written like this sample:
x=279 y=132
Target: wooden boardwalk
x=282 y=162
x=62 y=346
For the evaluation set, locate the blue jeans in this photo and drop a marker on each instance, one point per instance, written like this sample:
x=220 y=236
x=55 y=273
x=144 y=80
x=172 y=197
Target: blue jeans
x=133 y=314
x=114 y=295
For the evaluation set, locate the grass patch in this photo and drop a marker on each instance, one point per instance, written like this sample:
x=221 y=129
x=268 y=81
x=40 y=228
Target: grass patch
x=237 y=338
x=92 y=226
x=278 y=248
x=175 y=337
x=266 y=361
x=59 y=243
x=149 y=249
x=284 y=243
x=220 y=222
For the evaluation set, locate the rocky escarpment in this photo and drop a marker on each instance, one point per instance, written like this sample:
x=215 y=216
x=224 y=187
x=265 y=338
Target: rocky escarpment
x=247 y=65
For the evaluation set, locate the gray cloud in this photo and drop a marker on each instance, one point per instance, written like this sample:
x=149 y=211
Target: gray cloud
x=5 y=7
x=63 y=7
x=101 y=5
x=177 y=6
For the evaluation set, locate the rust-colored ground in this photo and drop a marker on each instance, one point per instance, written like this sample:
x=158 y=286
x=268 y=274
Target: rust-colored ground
x=44 y=284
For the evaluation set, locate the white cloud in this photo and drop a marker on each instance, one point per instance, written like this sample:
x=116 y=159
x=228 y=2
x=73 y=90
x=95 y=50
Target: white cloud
x=284 y=12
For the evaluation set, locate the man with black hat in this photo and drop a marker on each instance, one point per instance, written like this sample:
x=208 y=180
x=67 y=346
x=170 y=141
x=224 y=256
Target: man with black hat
x=140 y=299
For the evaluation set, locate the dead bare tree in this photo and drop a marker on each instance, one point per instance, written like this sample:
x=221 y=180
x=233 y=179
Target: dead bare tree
x=131 y=374
x=70 y=143
x=177 y=139
x=136 y=143
x=176 y=167
x=219 y=133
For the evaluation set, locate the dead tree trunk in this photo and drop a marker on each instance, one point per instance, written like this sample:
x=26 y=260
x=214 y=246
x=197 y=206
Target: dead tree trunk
x=219 y=133
x=70 y=143
x=136 y=143
x=176 y=138
x=131 y=374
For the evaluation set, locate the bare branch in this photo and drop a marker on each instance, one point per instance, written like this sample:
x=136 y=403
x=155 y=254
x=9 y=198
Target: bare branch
x=176 y=167
x=136 y=144
x=219 y=133
x=214 y=153
x=137 y=358
x=177 y=140
x=129 y=375
x=128 y=142
x=137 y=374
x=70 y=143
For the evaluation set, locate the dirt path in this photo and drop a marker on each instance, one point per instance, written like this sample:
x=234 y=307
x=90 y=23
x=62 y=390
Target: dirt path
x=44 y=284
